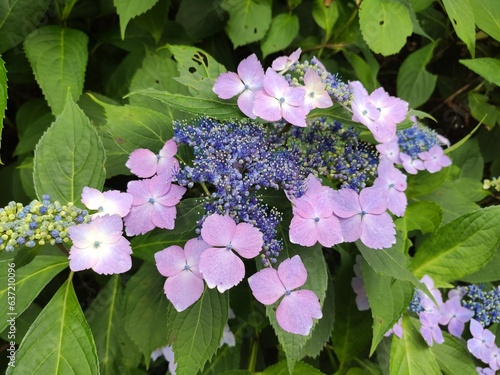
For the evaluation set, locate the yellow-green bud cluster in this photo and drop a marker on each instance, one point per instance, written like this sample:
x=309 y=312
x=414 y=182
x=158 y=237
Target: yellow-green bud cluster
x=38 y=223
x=494 y=183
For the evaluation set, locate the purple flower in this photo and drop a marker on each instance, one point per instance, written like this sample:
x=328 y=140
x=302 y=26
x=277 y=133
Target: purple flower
x=453 y=314
x=430 y=329
x=434 y=159
x=358 y=286
x=153 y=205
x=389 y=151
x=412 y=166
x=168 y=353
x=279 y=100
x=184 y=284
x=144 y=163
x=313 y=219
x=220 y=266
x=247 y=82
x=297 y=309
x=482 y=341
x=494 y=361
x=100 y=245
x=316 y=94
x=281 y=64
x=363 y=216
x=108 y=203
x=392 y=109
x=425 y=301
x=397 y=329
x=393 y=181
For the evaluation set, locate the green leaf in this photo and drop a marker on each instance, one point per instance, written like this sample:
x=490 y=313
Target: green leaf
x=479 y=107
x=197 y=70
x=461 y=16
x=281 y=368
x=105 y=317
x=146 y=326
x=414 y=83
x=249 y=20
x=59 y=341
x=452 y=357
x=18 y=19
x=3 y=97
x=419 y=5
x=486 y=67
x=69 y=156
x=218 y=108
x=488 y=273
x=487 y=17
x=461 y=247
x=124 y=129
x=23 y=324
x=284 y=28
x=128 y=9
x=325 y=14
x=469 y=159
x=195 y=333
x=58 y=57
x=425 y=183
x=385 y=25
x=363 y=71
x=189 y=211
x=410 y=354
x=29 y=282
x=424 y=216
x=388 y=298
x=200 y=18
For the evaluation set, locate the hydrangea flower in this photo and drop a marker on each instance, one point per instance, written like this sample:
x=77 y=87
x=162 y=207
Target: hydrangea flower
x=168 y=353
x=313 y=219
x=227 y=337
x=358 y=286
x=107 y=203
x=100 y=245
x=428 y=304
x=283 y=63
x=220 y=266
x=453 y=314
x=397 y=329
x=434 y=159
x=363 y=216
x=279 y=100
x=246 y=83
x=184 y=284
x=482 y=341
x=412 y=166
x=297 y=309
x=144 y=163
x=389 y=151
x=393 y=181
x=430 y=329
x=494 y=361
x=316 y=94
x=153 y=205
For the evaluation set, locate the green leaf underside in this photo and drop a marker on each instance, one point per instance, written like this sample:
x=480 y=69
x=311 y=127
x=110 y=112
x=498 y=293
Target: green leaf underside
x=385 y=25
x=195 y=333
x=30 y=280
x=58 y=57
x=461 y=247
x=68 y=157
x=59 y=341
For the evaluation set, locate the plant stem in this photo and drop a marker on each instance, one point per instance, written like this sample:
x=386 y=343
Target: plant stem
x=253 y=355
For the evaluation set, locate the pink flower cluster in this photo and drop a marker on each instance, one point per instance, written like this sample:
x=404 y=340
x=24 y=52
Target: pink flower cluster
x=330 y=217
x=269 y=95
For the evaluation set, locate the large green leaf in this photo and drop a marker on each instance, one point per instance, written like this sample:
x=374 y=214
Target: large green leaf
x=212 y=107
x=248 y=20
x=29 y=282
x=128 y=9
x=58 y=57
x=60 y=341
x=461 y=16
x=146 y=326
x=410 y=354
x=385 y=25
x=488 y=273
x=414 y=83
x=388 y=298
x=453 y=357
x=461 y=247
x=325 y=14
x=486 y=67
x=105 y=317
x=284 y=28
x=18 y=19
x=124 y=129
x=487 y=17
x=3 y=96
x=481 y=110
x=425 y=216
x=195 y=333
x=281 y=368
x=69 y=156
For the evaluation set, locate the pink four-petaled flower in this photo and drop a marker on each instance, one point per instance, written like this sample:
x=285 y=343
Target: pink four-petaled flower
x=111 y=202
x=297 y=309
x=393 y=181
x=434 y=159
x=219 y=265
x=144 y=163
